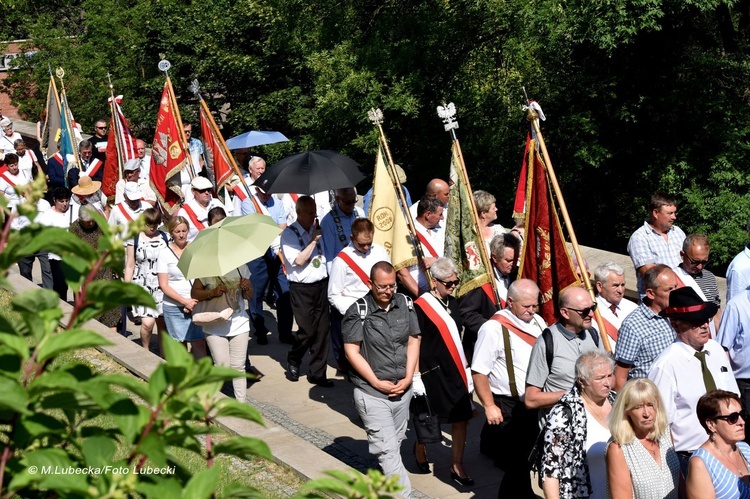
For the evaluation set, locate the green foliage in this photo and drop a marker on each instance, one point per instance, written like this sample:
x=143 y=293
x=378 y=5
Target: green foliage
x=641 y=95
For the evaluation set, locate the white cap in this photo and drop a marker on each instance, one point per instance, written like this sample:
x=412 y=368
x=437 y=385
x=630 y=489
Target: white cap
x=132 y=192
x=132 y=165
x=199 y=183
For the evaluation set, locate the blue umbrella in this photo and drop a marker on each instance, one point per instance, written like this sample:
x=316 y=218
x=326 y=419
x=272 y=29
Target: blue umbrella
x=255 y=138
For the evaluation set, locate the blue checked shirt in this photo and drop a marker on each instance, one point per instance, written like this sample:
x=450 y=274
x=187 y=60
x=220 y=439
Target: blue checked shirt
x=647 y=246
x=642 y=337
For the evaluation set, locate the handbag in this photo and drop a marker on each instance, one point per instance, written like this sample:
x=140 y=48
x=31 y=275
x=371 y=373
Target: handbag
x=426 y=423
x=214 y=311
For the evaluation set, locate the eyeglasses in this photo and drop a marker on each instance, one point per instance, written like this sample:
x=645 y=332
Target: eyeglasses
x=697 y=262
x=731 y=418
x=449 y=284
x=584 y=312
x=386 y=287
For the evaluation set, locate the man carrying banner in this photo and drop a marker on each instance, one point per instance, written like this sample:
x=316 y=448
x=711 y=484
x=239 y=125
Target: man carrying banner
x=90 y=166
x=479 y=304
x=128 y=210
x=436 y=188
x=429 y=215
x=609 y=279
x=510 y=425
x=132 y=172
x=350 y=279
x=99 y=144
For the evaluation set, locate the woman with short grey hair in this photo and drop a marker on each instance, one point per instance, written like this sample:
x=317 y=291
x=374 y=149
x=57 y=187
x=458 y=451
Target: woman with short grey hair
x=572 y=459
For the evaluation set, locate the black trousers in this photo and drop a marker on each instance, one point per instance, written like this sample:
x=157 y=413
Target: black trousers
x=310 y=308
x=509 y=445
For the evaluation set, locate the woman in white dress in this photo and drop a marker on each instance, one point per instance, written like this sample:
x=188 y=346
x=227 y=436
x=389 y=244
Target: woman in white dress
x=142 y=253
x=641 y=460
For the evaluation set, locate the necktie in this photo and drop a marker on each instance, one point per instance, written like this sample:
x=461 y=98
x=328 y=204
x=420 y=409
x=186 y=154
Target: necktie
x=708 y=378
x=613 y=308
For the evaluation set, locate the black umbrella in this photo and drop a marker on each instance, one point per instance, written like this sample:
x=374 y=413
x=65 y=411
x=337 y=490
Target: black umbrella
x=310 y=172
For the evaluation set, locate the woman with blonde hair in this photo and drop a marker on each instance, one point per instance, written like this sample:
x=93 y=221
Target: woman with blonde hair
x=641 y=460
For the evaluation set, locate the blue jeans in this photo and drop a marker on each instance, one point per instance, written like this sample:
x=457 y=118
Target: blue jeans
x=260 y=271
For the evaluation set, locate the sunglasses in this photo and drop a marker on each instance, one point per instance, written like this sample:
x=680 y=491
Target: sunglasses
x=100 y=127
x=449 y=284
x=697 y=262
x=203 y=190
x=585 y=311
x=731 y=418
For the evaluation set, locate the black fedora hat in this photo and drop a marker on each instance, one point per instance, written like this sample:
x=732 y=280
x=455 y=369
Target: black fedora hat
x=685 y=304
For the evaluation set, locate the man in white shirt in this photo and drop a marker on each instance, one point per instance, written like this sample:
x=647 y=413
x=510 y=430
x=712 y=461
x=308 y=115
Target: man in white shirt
x=132 y=173
x=429 y=215
x=349 y=280
x=196 y=210
x=7 y=137
x=128 y=210
x=145 y=161
x=308 y=289
x=609 y=279
x=689 y=368
x=509 y=424
x=436 y=188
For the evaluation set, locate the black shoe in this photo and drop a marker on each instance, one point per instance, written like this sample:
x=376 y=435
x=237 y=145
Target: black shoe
x=461 y=480
x=293 y=372
x=262 y=340
x=321 y=382
x=255 y=372
x=422 y=466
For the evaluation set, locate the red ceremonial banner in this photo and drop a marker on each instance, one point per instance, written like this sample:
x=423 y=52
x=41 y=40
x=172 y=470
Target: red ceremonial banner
x=168 y=157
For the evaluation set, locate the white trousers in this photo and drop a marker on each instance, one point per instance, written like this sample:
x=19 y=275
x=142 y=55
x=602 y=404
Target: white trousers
x=231 y=351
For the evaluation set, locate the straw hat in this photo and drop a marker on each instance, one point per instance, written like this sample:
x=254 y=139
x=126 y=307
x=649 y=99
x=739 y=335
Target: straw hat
x=86 y=186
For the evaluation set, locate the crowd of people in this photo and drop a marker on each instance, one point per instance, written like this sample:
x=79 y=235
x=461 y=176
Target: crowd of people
x=662 y=415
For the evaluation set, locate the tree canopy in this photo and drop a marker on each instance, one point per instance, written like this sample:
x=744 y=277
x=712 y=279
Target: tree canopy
x=640 y=95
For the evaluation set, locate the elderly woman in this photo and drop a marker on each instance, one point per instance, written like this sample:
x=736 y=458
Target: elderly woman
x=487 y=212
x=178 y=304
x=576 y=433
x=443 y=369
x=228 y=341
x=641 y=460
x=719 y=468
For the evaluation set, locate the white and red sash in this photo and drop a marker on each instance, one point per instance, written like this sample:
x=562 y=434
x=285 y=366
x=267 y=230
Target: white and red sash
x=294 y=197
x=59 y=158
x=490 y=292
x=448 y=331
x=124 y=212
x=612 y=331
x=259 y=207
x=4 y=175
x=427 y=245
x=356 y=268
x=193 y=217
x=239 y=192
x=93 y=167
x=520 y=333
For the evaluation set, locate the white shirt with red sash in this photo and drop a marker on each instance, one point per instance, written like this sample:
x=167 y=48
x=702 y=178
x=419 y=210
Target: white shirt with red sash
x=612 y=322
x=146 y=191
x=489 y=350
x=350 y=274
x=122 y=214
x=439 y=316
x=8 y=183
x=432 y=247
x=197 y=216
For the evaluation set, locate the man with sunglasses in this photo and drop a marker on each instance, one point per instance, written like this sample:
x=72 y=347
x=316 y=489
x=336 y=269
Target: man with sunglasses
x=549 y=377
x=337 y=224
x=381 y=341
x=99 y=141
x=692 y=272
x=196 y=210
x=689 y=368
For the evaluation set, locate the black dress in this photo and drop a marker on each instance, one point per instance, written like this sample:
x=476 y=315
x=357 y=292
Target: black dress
x=444 y=385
